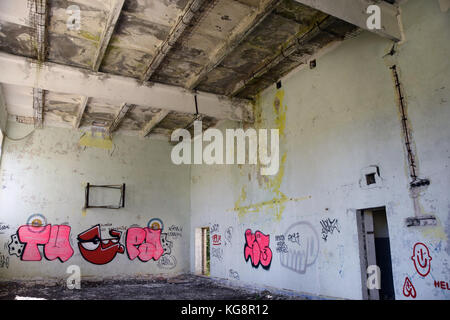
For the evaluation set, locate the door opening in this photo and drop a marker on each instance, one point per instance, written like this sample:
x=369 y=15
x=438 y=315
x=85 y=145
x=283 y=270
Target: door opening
x=202 y=255
x=375 y=251
x=205 y=252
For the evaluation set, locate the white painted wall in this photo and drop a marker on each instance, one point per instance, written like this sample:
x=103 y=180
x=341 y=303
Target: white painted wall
x=46 y=174
x=339 y=119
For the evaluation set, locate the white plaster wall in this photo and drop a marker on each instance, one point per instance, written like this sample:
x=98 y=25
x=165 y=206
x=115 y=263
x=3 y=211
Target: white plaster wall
x=47 y=172
x=342 y=117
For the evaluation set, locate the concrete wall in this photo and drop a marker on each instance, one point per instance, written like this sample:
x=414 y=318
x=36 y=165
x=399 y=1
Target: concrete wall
x=46 y=174
x=3 y=119
x=3 y=112
x=336 y=122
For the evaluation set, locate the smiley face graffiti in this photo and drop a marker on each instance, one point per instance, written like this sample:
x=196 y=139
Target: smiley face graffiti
x=97 y=250
x=422 y=259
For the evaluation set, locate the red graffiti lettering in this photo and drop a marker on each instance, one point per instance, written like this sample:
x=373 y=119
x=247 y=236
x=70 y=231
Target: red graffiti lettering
x=408 y=289
x=216 y=239
x=257 y=249
x=97 y=250
x=422 y=259
x=441 y=284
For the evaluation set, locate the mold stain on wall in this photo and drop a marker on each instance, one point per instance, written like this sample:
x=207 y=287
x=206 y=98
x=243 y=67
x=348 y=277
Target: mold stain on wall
x=270 y=185
x=96 y=140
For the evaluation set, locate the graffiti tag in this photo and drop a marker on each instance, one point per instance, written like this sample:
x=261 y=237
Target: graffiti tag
x=4 y=261
x=281 y=245
x=408 y=289
x=233 y=274
x=328 y=227
x=97 y=250
x=257 y=249
x=55 y=240
x=217 y=253
x=214 y=228
x=147 y=244
x=299 y=257
x=175 y=232
x=228 y=235
x=442 y=285
x=216 y=240
x=167 y=262
x=422 y=259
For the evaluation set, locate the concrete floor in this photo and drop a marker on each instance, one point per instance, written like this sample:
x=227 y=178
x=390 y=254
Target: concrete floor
x=184 y=287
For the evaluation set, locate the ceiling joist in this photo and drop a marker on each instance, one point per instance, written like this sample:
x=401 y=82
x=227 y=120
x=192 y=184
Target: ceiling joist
x=108 y=31
x=83 y=104
x=38 y=21
x=183 y=21
x=157 y=118
x=105 y=39
x=124 y=109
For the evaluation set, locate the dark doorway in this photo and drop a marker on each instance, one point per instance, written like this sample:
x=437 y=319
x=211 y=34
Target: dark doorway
x=383 y=254
x=376 y=250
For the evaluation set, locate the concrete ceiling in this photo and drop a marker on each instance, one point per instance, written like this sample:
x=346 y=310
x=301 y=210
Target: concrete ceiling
x=232 y=48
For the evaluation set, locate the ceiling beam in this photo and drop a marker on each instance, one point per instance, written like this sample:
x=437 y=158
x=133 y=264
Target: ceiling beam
x=66 y=79
x=183 y=21
x=107 y=33
x=38 y=21
x=38 y=107
x=124 y=109
x=83 y=104
x=355 y=12
x=156 y=119
x=243 y=29
x=105 y=39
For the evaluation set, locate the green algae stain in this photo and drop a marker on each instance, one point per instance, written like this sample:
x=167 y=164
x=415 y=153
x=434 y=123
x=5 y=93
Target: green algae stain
x=271 y=185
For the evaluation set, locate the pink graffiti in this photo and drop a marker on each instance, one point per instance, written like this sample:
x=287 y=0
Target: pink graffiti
x=422 y=259
x=55 y=240
x=58 y=245
x=257 y=248
x=144 y=243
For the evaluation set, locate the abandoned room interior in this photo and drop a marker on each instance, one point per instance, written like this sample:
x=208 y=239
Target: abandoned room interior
x=122 y=125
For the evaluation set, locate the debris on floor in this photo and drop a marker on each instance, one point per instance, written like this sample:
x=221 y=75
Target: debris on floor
x=183 y=287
